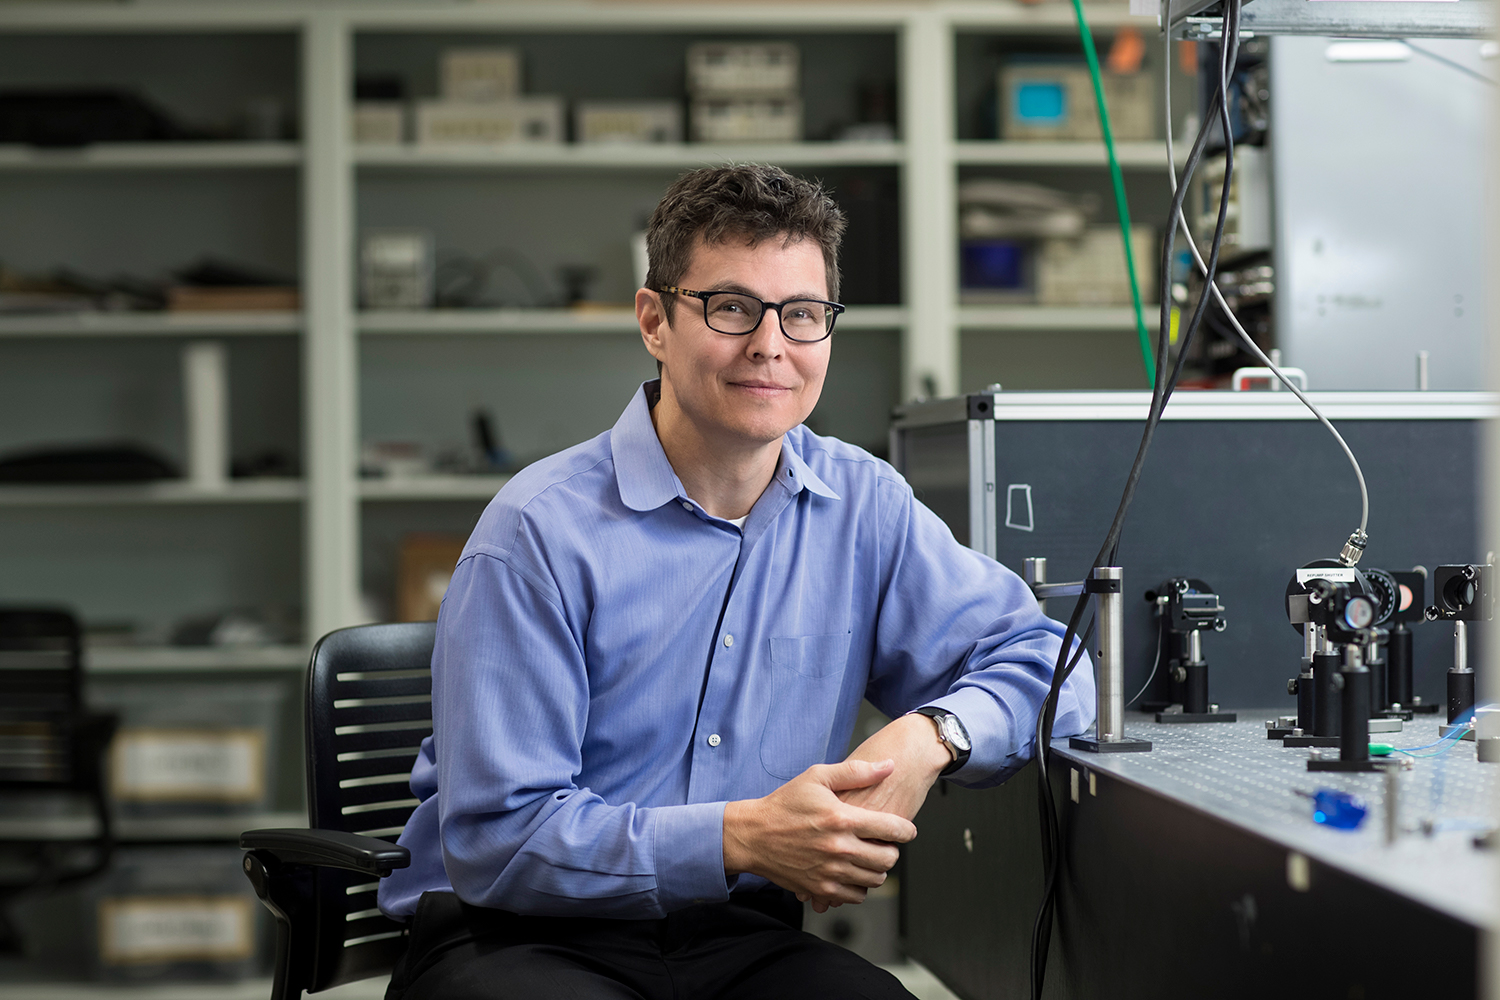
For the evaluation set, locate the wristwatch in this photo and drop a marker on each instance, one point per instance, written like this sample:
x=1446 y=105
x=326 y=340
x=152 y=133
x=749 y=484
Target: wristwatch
x=951 y=733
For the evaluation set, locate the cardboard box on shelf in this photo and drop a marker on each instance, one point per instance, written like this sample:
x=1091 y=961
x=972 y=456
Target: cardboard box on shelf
x=627 y=121
x=747 y=119
x=379 y=122
x=743 y=68
x=156 y=914
x=196 y=748
x=481 y=74
x=1054 y=100
x=1090 y=270
x=233 y=298
x=535 y=119
x=424 y=569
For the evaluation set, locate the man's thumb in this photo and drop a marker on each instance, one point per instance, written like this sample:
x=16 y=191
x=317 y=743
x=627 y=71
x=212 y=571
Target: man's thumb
x=857 y=774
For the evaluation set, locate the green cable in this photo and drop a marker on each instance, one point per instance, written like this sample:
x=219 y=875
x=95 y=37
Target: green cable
x=1147 y=355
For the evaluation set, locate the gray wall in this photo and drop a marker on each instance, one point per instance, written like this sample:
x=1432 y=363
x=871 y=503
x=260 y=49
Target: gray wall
x=1380 y=198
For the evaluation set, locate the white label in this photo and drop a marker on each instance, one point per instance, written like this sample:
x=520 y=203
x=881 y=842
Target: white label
x=222 y=765
x=1012 y=508
x=175 y=928
x=1335 y=574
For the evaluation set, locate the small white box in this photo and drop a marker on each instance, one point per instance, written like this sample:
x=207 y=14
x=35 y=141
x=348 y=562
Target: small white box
x=1090 y=270
x=396 y=269
x=627 y=121
x=741 y=68
x=756 y=119
x=379 y=122
x=472 y=123
x=480 y=74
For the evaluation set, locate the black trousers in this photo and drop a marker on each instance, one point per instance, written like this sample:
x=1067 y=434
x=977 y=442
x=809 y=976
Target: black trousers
x=749 y=948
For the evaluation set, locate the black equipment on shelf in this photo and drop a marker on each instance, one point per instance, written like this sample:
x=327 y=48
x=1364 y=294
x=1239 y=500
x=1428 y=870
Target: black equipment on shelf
x=1186 y=608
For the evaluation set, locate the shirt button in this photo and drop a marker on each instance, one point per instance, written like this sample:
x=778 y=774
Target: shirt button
x=729 y=640
x=713 y=740
x=686 y=505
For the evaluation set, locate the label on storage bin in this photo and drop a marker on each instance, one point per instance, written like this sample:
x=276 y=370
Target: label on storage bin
x=175 y=928
x=217 y=765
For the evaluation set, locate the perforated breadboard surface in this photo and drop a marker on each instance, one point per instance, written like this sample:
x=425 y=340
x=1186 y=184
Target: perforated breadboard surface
x=1232 y=772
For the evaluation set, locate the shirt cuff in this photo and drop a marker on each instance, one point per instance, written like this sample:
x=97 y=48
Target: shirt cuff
x=690 y=855
x=992 y=740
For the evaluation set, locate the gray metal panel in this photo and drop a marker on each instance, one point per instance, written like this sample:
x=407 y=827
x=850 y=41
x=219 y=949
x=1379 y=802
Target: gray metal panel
x=982 y=499
x=1232 y=772
x=1209 y=406
x=1379 y=178
x=1241 y=504
x=1370 y=18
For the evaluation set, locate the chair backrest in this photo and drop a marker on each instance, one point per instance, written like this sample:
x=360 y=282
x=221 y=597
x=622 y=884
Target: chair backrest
x=369 y=706
x=41 y=694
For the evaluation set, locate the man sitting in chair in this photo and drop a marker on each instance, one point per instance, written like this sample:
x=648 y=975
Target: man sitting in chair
x=656 y=642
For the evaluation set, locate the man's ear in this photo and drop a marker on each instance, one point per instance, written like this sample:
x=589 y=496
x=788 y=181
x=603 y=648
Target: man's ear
x=653 y=322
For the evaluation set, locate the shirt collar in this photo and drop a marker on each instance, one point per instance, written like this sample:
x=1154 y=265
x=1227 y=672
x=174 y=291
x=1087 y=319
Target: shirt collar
x=645 y=477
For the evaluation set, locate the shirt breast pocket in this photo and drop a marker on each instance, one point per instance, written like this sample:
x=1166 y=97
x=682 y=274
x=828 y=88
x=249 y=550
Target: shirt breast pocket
x=807 y=673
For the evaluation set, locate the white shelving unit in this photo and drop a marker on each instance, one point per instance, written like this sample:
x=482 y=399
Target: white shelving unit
x=153 y=156
x=192 y=659
x=146 y=324
x=622 y=157
x=171 y=491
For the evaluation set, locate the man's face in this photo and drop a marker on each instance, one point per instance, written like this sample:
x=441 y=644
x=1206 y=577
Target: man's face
x=755 y=387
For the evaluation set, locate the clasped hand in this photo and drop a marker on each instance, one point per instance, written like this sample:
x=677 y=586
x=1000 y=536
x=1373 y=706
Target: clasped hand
x=804 y=838
x=830 y=834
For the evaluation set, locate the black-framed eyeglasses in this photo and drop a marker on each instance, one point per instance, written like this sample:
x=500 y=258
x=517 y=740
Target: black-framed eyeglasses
x=805 y=321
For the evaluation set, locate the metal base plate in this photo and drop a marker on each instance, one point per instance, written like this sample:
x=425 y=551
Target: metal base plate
x=1123 y=745
x=1426 y=709
x=1279 y=732
x=1170 y=717
x=1373 y=764
x=1404 y=714
x=1310 y=741
x=1448 y=728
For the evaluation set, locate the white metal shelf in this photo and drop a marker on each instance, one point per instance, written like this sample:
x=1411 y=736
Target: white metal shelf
x=152 y=155
x=566 y=321
x=147 y=324
x=247 y=989
x=170 y=491
x=195 y=659
x=622 y=156
x=1019 y=317
x=141 y=829
x=991 y=152
x=432 y=487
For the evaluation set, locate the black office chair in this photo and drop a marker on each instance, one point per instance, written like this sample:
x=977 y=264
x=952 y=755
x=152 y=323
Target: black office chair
x=50 y=745
x=369 y=706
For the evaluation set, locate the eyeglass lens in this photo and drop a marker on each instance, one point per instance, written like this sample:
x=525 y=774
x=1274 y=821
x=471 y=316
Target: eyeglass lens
x=728 y=312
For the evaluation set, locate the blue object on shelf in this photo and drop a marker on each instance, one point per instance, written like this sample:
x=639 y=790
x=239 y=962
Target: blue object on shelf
x=1337 y=809
x=1041 y=103
x=993 y=264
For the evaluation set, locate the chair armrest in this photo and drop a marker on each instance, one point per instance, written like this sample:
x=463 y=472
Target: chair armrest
x=328 y=849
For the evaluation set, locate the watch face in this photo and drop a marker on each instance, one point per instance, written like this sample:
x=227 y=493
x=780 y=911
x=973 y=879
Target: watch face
x=953 y=731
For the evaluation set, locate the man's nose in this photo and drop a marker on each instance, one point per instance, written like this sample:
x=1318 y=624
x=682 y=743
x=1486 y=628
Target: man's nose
x=767 y=339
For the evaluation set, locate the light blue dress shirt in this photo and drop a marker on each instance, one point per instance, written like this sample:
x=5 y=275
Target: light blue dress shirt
x=613 y=665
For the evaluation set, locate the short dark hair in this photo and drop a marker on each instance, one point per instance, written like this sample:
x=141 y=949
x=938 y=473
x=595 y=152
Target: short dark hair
x=746 y=201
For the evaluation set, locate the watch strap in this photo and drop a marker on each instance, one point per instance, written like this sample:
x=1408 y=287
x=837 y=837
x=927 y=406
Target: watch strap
x=960 y=754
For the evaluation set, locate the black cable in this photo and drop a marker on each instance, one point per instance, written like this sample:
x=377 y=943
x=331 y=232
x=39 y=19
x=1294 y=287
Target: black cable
x=1452 y=64
x=1108 y=552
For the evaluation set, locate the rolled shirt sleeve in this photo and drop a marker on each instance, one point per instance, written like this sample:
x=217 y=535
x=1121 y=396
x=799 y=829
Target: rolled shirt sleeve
x=940 y=642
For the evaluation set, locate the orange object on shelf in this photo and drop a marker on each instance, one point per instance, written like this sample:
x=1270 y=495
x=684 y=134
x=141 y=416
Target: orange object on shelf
x=424 y=568
x=233 y=298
